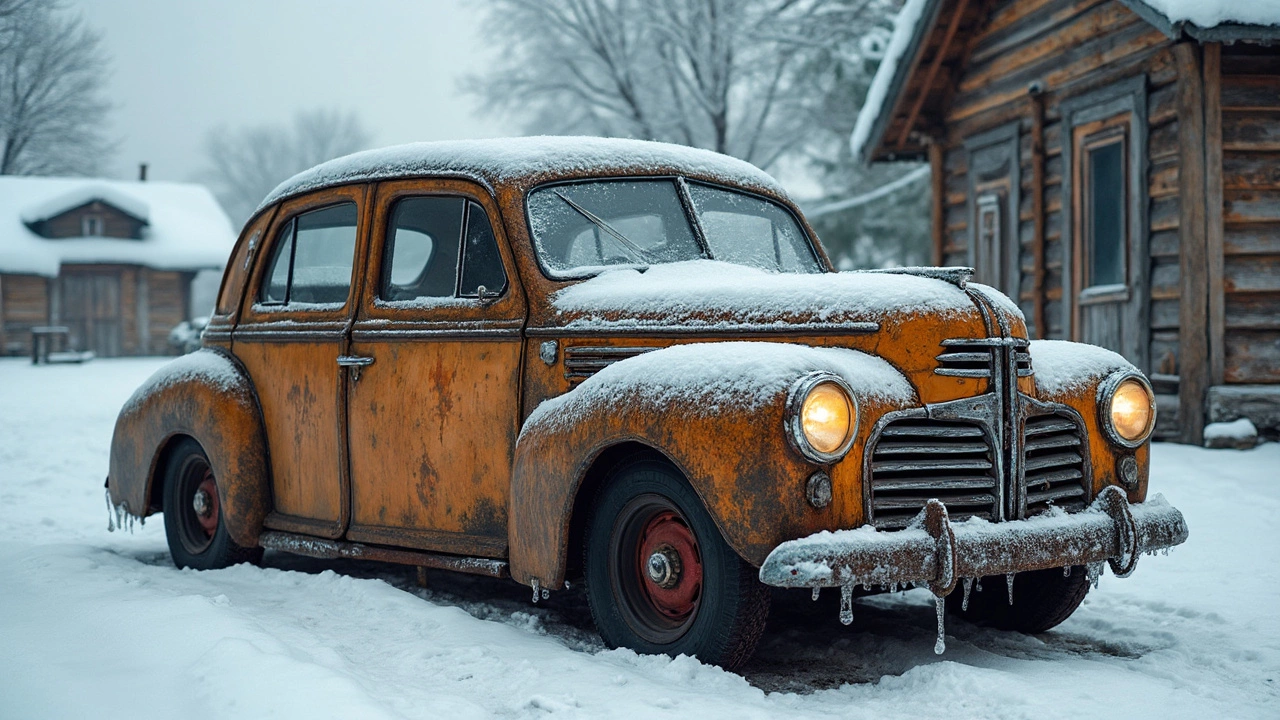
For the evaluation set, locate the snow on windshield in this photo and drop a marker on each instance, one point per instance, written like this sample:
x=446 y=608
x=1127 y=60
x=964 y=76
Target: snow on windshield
x=581 y=228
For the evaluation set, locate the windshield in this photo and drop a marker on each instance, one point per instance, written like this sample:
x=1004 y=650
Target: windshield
x=582 y=228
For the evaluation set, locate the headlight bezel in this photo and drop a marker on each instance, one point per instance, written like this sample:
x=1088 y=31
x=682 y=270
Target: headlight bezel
x=794 y=420
x=1106 y=394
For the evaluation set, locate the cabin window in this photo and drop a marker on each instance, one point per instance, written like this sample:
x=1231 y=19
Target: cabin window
x=989 y=253
x=1104 y=203
x=93 y=225
x=312 y=258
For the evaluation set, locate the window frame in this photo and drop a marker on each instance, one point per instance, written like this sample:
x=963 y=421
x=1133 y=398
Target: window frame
x=686 y=205
x=93 y=219
x=437 y=311
x=1091 y=137
x=252 y=310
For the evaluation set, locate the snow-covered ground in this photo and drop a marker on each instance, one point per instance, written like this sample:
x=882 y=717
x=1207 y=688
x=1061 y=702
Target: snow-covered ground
x=99 y=625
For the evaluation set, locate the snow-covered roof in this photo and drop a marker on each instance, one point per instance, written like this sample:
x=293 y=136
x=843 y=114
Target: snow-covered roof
x=186 y=228
x=1212 y=20
x=83 y=194
x=499 y=160
x=908 y=26
x=1204 y=20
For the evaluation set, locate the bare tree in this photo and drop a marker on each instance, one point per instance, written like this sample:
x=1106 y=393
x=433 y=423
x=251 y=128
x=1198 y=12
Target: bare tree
x=718 y=74
x=244 y=164
x=53 y=106
x=775 y=82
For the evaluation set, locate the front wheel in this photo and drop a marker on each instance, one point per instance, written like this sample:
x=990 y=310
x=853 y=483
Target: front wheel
x=660 y=578
x=1042 y=599
x=193 y=514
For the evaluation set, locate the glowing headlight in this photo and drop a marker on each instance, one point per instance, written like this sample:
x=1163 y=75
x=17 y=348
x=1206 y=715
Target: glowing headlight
x=1128 y=408
x=821 y=417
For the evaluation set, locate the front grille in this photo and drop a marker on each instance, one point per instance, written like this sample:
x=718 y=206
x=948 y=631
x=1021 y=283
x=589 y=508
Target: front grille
x=581 y=362
x=1054 y=467
x=976 y=357
x=917 y=459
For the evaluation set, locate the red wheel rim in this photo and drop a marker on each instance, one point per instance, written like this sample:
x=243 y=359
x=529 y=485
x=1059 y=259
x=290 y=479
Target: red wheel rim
x=666 y=534
x=659 y=607
x=209 y=519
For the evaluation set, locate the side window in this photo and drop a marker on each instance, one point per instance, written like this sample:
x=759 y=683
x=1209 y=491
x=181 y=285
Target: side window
x=313 y=258
x=425 y=238
x=481 y=263
x=421 y=256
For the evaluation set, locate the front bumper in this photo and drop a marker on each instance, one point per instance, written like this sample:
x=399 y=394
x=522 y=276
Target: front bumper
x=937 y=553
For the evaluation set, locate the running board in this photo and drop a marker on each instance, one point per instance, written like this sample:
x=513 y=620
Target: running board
x=331 y=549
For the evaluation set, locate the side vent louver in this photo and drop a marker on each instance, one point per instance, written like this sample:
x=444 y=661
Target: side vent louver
x=581 y=362
x=1054 y=464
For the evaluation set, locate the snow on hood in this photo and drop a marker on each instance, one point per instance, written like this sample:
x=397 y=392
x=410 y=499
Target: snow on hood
x=186 y=230
x=1062 y=366
x=494 y=160
x=717 y=377
x=715 y=294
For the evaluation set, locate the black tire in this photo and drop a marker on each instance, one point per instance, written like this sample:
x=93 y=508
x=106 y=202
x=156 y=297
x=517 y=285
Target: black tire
x=1042 y=599
x=647 y=502
x=198 y=541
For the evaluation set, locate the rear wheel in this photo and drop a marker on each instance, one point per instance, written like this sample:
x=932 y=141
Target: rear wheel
x=660 y=579
x=1042 y=599
x=193 y=514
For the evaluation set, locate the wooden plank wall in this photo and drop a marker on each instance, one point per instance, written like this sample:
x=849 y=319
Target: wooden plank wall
x=1250 y=99
x=24 y=303
x=169 y=294
x=1070 y=47
x=70 y=224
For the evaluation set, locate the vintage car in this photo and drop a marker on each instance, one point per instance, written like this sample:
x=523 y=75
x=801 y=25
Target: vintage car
x=633 y=364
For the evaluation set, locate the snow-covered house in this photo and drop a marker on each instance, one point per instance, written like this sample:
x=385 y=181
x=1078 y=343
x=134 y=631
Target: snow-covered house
x=1112 y=166
x=113 y=261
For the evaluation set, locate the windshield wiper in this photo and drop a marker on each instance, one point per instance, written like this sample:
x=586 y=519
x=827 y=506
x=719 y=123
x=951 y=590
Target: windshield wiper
x=600 y=223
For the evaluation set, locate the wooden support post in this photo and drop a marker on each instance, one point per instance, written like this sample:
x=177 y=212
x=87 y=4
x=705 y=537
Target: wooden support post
x=422 y=577
x=1193 y=340
x=1037 y=211
x=938 y=184
x=1213 y=209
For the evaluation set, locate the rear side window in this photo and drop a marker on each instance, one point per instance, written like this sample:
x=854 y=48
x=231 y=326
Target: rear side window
x=312 y=259
x=440 y=247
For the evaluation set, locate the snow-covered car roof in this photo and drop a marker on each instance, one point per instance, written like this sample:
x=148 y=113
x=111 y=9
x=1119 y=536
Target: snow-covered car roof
x=526 y=161
x=185 y=228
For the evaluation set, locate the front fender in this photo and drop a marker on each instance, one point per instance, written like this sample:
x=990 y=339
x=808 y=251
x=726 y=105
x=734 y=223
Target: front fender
x=1071 y=373
x=717 y=412
x=205 y=395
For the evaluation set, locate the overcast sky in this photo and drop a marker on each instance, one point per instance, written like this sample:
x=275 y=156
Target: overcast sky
x=180 y=68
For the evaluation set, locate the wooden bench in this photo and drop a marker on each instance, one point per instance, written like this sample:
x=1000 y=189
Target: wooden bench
x=42 y=341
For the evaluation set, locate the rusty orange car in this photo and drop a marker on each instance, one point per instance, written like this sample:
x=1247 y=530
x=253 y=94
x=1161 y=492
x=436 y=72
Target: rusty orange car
x=633 y=365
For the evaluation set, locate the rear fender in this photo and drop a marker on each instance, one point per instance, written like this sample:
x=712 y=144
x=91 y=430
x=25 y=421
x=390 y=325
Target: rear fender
x=208 y=396
x=717 y=412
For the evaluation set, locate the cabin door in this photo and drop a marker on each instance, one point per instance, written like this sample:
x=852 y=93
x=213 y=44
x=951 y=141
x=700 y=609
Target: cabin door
x=434 y=414
x=91 y=310
x=994 y=193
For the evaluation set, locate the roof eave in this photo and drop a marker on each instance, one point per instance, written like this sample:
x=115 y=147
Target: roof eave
x=1224 y=33
x=873 y=151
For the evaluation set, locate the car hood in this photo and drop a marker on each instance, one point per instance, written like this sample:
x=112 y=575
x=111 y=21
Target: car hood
x=903 y=316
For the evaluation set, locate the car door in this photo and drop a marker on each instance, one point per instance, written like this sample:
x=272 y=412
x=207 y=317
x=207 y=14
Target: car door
x=433 y=416
x=293 y=329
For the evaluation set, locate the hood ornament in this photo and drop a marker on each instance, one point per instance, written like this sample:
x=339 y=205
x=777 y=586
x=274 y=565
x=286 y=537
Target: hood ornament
x=958 y=276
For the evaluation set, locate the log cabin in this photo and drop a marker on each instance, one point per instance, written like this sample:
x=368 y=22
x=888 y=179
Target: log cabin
x=112 y=261
x=1113 y=166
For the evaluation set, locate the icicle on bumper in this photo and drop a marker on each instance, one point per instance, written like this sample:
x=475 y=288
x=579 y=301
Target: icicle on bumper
x=937 y=553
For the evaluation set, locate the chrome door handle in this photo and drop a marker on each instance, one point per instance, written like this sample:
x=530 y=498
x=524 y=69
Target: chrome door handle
x=355 y=362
